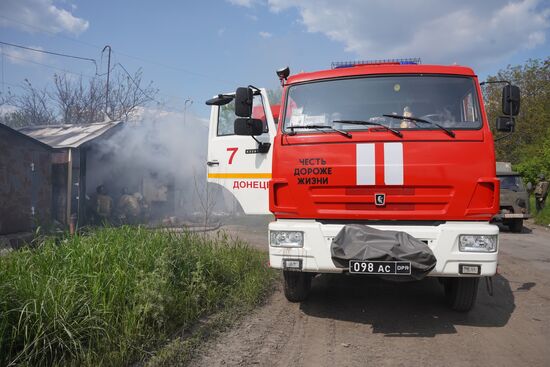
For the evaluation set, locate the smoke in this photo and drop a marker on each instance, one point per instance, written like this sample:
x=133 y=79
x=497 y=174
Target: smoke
x=159 y=155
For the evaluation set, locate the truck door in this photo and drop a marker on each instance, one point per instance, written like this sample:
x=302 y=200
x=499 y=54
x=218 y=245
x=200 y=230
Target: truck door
x=234 y=161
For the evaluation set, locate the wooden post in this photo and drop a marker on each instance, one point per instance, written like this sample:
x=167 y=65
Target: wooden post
x=69 y=185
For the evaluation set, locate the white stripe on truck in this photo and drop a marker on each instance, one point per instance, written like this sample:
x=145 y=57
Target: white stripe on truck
x=393 y=163
x=365 y=164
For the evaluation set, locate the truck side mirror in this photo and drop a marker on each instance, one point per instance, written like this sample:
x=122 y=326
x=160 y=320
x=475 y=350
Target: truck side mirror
x=505 y=124
x=220 y=100
x=510 y=100
x=244 y=98
x=247 y=126
x=529 y=186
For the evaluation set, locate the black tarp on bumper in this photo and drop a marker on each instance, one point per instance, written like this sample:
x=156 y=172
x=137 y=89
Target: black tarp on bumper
x=361 y=242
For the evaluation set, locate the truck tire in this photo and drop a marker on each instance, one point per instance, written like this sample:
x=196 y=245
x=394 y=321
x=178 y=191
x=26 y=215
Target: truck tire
x=297 y=285
x=461 y=293
x=516 y=225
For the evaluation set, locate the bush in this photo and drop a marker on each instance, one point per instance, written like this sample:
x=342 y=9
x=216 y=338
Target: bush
x=112 y=296
x=535 y=162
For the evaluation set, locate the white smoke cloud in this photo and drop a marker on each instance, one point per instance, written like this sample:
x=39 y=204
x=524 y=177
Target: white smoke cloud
x=157 y=146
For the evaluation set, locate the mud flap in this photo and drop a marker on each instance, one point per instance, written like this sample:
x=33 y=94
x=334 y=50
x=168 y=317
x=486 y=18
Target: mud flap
x=361 y=242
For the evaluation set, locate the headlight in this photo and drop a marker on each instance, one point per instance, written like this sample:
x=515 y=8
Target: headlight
x=477 y=243
x=286 y=239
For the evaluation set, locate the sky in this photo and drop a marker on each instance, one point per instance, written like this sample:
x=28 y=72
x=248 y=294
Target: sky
x=196 y=49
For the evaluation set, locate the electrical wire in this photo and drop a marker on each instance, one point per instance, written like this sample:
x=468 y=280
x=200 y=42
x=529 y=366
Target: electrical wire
x=152 y=62
x=136 y=84
x=51 y=53
x=94 y=61
x=48 y=66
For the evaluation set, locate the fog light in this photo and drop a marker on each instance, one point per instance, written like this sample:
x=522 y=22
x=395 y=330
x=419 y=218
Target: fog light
x=286 y=238
x=477 y=243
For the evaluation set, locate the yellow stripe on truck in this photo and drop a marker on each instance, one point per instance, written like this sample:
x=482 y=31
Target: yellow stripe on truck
x=239 y=175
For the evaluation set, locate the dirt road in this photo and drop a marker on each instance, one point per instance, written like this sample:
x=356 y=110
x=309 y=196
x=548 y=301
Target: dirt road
x=361 y=321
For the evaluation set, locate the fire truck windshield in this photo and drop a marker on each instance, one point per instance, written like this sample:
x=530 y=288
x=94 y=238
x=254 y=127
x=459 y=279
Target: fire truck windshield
x=445 y=102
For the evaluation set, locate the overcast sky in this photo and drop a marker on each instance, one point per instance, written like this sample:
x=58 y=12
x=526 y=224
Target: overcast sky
x=198 y=48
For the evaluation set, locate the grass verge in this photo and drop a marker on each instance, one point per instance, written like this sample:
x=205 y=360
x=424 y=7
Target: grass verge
x=542 y=217
x=113 y=296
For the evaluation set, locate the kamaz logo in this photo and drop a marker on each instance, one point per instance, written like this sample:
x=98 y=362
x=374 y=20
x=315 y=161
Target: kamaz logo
x=380 y=199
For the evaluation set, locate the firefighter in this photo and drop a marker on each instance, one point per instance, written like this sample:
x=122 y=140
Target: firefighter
x=541 y=191
x=104 y=204
x=144 y=206
x=129 y=207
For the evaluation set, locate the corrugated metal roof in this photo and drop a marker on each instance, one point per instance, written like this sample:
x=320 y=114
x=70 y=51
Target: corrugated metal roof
x=68 y=136
x=24 y=136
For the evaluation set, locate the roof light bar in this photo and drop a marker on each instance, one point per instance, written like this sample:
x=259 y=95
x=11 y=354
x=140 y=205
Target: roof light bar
x=349 y=64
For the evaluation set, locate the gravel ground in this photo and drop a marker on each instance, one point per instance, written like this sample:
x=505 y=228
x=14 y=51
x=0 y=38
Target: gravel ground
x=359 y=321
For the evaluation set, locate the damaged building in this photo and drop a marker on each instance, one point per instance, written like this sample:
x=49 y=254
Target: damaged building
x=49 y=176
x=71 y=145
x=25 y=182
x=159 y=161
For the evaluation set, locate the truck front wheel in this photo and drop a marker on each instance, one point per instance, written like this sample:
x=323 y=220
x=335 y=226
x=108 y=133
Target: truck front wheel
x=461 y=293
x=297 y=285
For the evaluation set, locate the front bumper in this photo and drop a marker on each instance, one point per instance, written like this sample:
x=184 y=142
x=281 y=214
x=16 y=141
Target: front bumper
x=442 y=240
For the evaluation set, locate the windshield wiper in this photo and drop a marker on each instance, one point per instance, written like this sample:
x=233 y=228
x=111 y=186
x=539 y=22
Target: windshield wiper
x=317 y=127
x=417 y=119
x=361 y=122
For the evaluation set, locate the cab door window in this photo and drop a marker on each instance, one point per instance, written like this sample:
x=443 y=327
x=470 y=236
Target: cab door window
x=226 y=116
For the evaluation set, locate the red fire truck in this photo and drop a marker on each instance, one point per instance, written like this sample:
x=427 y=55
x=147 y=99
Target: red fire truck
x=382 y=168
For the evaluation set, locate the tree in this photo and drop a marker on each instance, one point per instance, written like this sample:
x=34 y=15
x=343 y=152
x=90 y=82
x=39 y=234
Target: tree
x=74 y=101
x=32 y=107
x=126 y=95
x=206 y=195
x=532 y=123
x=6 y=98
x=529 y=146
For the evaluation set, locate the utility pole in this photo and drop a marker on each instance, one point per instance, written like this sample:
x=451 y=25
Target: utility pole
x=108 y=74
x=190 y=101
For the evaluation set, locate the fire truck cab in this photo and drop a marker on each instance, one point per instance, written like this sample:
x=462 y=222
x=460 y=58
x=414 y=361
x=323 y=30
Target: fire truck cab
x=394 y=146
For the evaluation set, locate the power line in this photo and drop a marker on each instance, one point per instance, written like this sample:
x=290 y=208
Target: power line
x=89 y=77
x=91 y=60
x=175 y=68
x=164 y=104
x=47 y=66
x=51 y=53
x=152 y=62
x=136 y=84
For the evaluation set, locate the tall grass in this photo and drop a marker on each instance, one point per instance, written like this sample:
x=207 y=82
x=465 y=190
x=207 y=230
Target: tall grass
x=542 y=217
x=113 y=295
